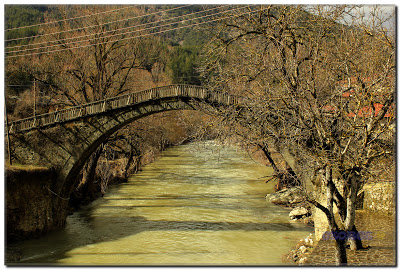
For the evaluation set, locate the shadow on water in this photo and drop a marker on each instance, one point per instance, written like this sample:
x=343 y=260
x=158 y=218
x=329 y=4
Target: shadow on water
x=86 y=227
x=114 y=228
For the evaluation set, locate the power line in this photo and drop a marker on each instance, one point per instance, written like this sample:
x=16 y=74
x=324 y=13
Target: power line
x=63 y=20
x=116 y=30
x=135 y=26
x=143 y=35
x=86 y=27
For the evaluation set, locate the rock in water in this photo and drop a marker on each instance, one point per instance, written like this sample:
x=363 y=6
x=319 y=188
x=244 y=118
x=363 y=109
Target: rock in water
x=286 y=196
x=298 y=212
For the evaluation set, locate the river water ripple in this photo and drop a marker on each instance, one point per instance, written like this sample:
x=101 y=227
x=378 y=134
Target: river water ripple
x=198 y=204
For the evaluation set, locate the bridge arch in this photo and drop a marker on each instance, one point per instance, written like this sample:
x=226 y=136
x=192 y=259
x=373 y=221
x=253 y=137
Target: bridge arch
x=66 y=139
x=105 y=126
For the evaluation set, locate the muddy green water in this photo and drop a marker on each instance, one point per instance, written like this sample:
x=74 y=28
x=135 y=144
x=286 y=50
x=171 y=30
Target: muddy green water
x=198 y=204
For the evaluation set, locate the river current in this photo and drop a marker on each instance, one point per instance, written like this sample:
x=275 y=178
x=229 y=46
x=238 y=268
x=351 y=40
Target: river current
x=198 y=204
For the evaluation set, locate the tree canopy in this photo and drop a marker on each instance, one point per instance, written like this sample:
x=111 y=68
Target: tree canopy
x=318 y=87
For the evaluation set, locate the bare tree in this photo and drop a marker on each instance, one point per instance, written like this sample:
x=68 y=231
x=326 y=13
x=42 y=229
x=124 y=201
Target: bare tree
x=291 y=62
x=87 y=59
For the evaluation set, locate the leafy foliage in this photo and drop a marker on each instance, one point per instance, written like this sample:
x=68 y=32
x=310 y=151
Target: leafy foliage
x=182 y=65
x=19 y=16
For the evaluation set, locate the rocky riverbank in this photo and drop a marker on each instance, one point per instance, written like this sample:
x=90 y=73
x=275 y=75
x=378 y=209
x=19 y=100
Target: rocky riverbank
x=294 y=198
x=301 y=252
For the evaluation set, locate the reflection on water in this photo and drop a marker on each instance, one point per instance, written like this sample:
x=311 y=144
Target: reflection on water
x=199 y=204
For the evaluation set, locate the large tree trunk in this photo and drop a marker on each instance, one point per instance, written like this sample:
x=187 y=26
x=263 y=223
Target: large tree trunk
x=349 y=223
x=355 y=242
x=340 y=247
x=346 y=209
x=339 y=235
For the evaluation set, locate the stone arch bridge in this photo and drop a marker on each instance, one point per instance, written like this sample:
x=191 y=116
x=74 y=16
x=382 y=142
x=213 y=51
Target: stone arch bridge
x=65 y=139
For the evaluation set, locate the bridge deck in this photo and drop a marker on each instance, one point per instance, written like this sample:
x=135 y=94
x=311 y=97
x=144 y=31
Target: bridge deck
x=110 y=104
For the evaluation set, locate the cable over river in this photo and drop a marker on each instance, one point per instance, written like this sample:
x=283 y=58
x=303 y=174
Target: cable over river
x=198 y=204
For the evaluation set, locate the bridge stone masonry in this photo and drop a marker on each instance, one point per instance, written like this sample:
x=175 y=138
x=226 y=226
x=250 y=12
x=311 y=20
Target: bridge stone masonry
x=63 y=140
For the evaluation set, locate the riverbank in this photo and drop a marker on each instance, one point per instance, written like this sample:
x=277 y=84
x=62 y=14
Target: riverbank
x=380 y=245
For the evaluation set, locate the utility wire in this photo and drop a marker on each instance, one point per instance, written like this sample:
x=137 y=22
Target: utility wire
x=138 y=36
x=91 y=26
x=116 y=30
x=63 y=20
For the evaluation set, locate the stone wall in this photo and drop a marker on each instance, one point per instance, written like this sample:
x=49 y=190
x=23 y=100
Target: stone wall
x=30 y=206
x=380 y=197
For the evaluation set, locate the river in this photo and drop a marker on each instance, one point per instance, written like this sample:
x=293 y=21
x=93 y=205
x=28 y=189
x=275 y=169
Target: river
x=198 y=204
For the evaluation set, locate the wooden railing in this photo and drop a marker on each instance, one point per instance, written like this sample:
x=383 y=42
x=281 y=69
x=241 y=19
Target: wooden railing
x=102 y=106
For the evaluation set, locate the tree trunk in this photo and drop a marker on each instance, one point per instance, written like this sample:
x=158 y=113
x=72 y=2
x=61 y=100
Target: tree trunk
x=352 y=233
x=339 y=235
x=267 y=154
x=286 y=177
x=340 y=247
x=355 y=241
x=134 y=154
x=89 y=172
x=349 y=224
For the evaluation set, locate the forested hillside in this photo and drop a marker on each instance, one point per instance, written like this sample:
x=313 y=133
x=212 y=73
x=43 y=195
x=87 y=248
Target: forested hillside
x=20 y=16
